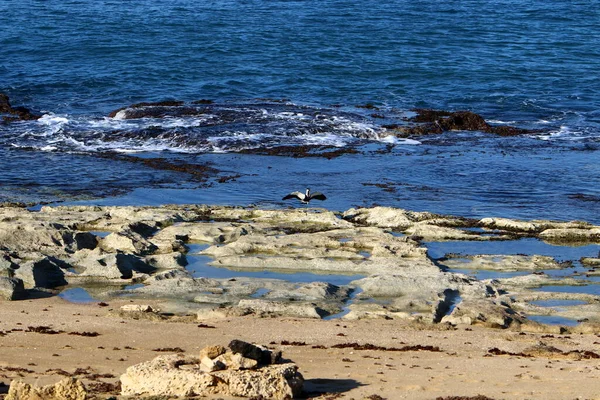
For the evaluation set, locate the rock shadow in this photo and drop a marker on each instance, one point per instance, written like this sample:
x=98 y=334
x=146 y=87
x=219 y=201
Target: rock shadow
x=319 y=387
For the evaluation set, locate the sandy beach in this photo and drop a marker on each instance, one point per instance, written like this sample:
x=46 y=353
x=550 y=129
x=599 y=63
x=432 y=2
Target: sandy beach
x=463 y=366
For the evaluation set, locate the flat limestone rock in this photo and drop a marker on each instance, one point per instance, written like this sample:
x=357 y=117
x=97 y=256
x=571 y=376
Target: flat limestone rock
x=66 y=389
x=176 y=375
x=502 y=262
x=266 y=307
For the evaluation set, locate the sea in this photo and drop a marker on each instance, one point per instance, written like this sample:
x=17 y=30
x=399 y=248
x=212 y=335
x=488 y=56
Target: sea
x=327 y=76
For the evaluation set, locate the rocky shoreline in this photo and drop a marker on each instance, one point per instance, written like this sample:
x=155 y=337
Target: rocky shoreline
x=140 y=253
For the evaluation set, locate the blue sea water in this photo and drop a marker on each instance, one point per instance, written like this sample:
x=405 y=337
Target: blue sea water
x=296 y=72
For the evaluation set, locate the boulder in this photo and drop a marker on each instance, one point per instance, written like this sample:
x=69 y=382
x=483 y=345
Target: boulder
x=178 y=375
x=11 y=288
x=43 y=273
x=66 y=389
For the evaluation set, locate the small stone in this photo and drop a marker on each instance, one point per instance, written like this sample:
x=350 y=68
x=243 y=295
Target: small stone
x=209 y=365
x=212 y=352
x=236 y=361
x=137 y=308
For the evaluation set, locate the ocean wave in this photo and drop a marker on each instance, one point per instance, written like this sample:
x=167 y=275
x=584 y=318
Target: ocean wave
x=200 y=129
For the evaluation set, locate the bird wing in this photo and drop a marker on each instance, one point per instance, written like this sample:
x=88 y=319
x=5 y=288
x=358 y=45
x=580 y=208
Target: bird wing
x=318 y=196
x=297 y=195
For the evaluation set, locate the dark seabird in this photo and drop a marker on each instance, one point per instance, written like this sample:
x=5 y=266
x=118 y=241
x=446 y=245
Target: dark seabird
x=306 y=197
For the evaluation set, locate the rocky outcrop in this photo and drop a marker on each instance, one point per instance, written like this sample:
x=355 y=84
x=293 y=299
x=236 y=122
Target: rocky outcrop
x=15 y=113
x=243 y=369
x=144 y=249
x=428 y=122
x=66 y=389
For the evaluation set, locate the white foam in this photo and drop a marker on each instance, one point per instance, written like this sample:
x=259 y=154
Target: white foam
x=391 y=139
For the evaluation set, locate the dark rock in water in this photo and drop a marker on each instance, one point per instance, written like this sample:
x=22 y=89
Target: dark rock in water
x=16 y=113
x=431 y=122
x=328 y=152
x=173 y=108
x=4 y=104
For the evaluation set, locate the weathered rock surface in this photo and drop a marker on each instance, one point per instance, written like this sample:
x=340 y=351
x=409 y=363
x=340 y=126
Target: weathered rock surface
x=501 y=262
x=43 y=273
x=394 y=275
x=11 y=288
x=66 y=389
x=278 y=308
x=236 y=372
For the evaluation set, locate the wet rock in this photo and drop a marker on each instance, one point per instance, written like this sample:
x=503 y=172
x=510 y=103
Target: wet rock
x=66 y=389
x=429 y=122
x=171 y=108
x=16 y=113
x=587 y=261
x=11 y=288
x=567 y=236
x=178 y=375
x=43 y=273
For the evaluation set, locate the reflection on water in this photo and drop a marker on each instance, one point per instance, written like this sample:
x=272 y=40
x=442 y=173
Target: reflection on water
x=553 y=320
x=77 y=295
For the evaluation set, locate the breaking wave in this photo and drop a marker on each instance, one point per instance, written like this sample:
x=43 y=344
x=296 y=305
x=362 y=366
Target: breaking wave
x=199 y=129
